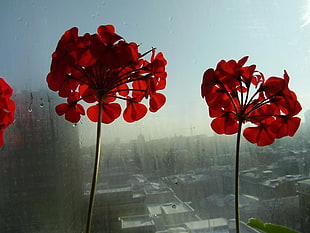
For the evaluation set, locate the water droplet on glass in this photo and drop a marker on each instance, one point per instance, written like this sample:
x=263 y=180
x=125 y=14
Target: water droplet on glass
x=41 y=105
x=170 y=18
x=95 y=15
x=29 y=109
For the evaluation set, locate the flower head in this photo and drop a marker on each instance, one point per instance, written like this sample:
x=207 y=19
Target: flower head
x=237 y=94
x=105 y=67
x=7 y=108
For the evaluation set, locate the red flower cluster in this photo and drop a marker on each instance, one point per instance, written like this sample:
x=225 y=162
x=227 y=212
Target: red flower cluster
x=104 y=66
x=7 y=108
x=270 y=106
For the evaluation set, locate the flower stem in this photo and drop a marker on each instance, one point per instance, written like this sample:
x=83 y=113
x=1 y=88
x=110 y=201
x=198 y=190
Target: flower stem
x=237 y=214
x=96 y=169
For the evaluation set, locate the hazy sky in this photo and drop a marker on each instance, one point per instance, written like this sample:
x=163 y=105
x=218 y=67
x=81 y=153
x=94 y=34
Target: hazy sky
x=193 y=35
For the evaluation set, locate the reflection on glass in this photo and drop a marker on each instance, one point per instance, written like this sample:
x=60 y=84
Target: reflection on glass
x=41 y=178
x=167 y=173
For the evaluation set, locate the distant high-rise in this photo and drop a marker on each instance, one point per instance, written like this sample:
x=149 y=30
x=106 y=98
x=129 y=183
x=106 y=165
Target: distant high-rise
x=307 y=120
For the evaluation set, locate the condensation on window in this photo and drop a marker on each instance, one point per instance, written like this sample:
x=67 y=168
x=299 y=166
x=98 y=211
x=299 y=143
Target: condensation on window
x=168 y=172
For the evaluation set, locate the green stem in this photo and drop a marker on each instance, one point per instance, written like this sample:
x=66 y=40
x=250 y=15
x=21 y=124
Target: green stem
x=237 y=214
x=96 y=170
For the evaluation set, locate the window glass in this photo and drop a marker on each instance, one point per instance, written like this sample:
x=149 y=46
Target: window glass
x=168 y=172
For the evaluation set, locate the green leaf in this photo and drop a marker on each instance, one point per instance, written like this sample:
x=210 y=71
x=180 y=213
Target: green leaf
x=256 y=223
x=268 y=227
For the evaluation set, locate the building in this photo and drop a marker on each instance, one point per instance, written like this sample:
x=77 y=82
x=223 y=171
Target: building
x=176 y=213
x=264 y=184
x=219 y=225
x=192 y=186
x=113 y=202
x=137 y=224
x=303 y=190
x=158 y=193
x=244 y=228
x=279 y=187
x=215 y=225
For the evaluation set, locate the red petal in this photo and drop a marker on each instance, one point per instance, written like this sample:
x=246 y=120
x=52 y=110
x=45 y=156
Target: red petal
x=1 y=137
x=92 y=113
x=80 y=109
x=208 y=83
x=66 y=87
x=110 y=112
x=243 y=60
x=72 y=112
x=86 y=59
x=259 y=135
x=285 y=126
x=5 y=89
x=123 y=90
x=161 y=84
x=215 y=111
x=274 y=85
x=6 y=118
x=7 y=108
x=292 y=126
x=107 y=34
x=134 y=111
x=158 y=66
x=224 y=125
x=62 y=109
x=10 y=107
x=157 y=100
x=247 y=74
x=230 y=67
x=89 y=95
x=72 y=115
x=53 y=82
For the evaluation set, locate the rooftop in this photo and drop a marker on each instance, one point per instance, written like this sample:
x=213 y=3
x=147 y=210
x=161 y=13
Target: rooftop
x=187 y=178
x=152 y=188
x=283 y=179
x=168 y=208
x=174 y=230
x=136 y=221
x=174 y=208
x=154 y=209
x=207 y=224
x=303 y=187
x=305 y=182
x=114 y=190
x=244 y=228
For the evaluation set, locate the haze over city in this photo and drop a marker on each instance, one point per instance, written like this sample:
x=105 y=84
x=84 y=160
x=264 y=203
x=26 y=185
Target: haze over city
x=193 y=36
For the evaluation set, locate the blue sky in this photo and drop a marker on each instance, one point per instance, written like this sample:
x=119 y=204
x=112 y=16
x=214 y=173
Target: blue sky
x=193 y=35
